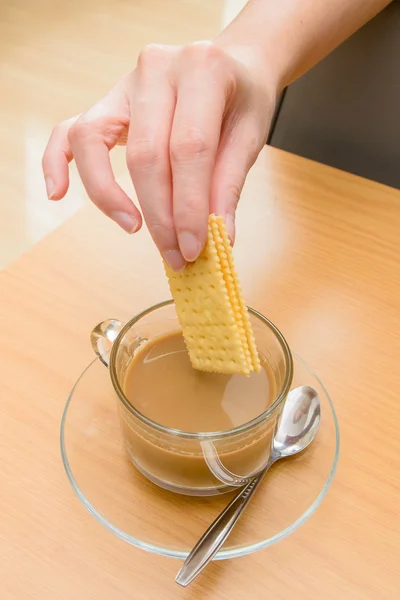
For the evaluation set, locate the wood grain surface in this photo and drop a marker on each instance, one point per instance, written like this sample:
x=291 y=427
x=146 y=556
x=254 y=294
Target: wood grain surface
x=318 y=253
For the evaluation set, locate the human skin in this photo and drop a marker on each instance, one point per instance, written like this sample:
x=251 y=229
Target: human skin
x=194 y=119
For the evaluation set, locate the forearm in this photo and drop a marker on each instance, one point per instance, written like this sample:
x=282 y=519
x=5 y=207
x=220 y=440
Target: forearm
x=290 y=36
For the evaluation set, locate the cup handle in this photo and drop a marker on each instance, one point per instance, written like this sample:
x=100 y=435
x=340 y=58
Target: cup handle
x=103 y=337
x=219 y=470
x=227 y=477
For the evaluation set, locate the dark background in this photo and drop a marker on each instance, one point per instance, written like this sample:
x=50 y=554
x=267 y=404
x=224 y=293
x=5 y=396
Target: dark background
x=345 y=112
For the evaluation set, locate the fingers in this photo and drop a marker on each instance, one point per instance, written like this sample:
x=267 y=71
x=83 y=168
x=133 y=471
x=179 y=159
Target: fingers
x=201 y=100
x=55 y=161
x=92 y=158
x=152 y=108
x=237 y=153
x=91 y=138
x=188 y=153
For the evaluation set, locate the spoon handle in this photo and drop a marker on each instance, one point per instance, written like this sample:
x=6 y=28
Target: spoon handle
x=212 y=540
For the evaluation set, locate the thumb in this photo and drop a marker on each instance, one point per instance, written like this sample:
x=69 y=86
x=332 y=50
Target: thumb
x=237 y=153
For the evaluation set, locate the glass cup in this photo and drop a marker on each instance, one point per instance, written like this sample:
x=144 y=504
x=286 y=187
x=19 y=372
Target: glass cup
x=203 y=463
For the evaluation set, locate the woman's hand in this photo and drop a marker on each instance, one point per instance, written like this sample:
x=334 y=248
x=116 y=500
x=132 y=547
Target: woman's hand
x=193 y=119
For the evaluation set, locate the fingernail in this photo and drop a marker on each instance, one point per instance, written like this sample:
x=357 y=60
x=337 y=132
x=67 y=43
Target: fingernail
x=189 y=245
x=50 y=187
x=125 y=220
x=230 y=225
x=174 y=259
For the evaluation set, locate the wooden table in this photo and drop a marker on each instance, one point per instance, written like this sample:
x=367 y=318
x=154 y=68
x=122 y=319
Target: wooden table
x=318 y=252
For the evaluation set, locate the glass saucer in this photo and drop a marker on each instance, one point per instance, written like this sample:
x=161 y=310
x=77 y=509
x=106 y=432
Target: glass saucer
x=153 y=519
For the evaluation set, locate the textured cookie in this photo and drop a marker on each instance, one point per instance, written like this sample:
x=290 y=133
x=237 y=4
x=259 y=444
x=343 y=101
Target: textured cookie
x=231 y=274
x=211 y=309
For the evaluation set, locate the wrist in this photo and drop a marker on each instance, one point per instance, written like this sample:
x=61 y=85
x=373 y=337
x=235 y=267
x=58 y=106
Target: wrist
x=252 y=57
x=253 y=46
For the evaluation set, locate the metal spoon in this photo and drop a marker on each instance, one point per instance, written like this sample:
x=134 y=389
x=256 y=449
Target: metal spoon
x=296 y=429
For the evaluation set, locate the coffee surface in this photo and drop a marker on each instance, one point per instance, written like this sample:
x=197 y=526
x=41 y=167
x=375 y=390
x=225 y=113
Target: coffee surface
x=161 y=383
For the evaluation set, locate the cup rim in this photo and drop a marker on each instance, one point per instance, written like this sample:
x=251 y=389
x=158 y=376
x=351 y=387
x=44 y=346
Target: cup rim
x=203 y=435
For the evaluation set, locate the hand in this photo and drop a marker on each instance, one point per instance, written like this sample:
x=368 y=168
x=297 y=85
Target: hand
x=194 y=119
